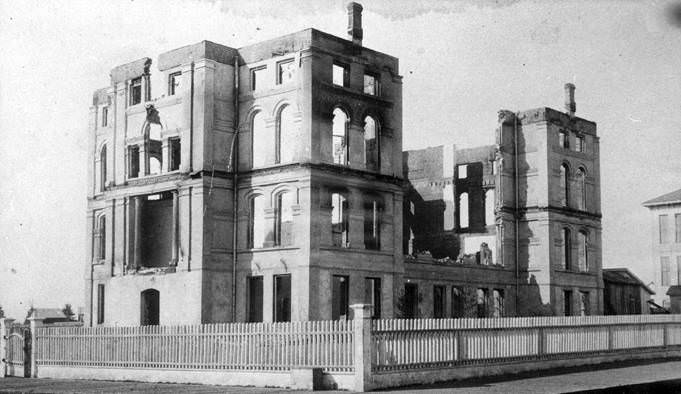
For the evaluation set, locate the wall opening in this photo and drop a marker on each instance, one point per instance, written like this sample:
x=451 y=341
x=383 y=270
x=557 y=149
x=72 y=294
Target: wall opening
x=371 y=144
x=284 y=219
x=340 y=298
x=150 y=303
x=282 y=298
x=156 y=230
x=340 y=136
x=439 y=301
x=372 y=296
x=255 y=298
x=411 y=301
x=339 y=220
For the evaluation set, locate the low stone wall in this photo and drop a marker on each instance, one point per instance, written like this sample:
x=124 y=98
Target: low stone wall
x=290 y=379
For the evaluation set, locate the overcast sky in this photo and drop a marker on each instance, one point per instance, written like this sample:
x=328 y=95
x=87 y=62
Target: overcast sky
x=461 y=62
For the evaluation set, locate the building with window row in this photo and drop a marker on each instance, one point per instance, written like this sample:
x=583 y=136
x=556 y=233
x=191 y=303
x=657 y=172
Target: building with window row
x=666 y=245
x=267 y=183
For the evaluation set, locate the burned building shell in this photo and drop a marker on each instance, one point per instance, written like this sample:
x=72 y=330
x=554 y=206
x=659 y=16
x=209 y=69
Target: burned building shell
x=268 y=183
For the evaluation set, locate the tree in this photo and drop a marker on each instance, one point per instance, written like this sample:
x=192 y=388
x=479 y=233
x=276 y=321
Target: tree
x=28 y=314
x=2 y=312
x=68 y=311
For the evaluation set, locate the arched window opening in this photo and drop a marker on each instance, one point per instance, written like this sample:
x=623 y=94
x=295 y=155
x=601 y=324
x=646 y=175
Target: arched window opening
x=154 y=149
x=340 y=137
x=286 y=135
x=582 y=252
x=565 y=249
x=284 y=220
x=257 y=227
x=260 y=140
x=339 y=220
x=581 y=189
x=463 y=210
x=371 y=144
x=102 y=169
x=372 y=224
x=149 y=313
x=564 y=185
x=489 y=207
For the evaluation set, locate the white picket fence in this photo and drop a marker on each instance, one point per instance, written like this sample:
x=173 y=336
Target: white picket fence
x=427 y=343
x=239 y=346
x=361 y=354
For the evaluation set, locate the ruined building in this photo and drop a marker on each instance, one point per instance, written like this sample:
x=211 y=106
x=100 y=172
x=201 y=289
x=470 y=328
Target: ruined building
x=266 y=183
x=508 y=229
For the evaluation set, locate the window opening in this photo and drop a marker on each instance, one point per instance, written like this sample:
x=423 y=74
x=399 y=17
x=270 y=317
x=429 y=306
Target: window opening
x=340 y=298
x=339 y=220
x=439 y=301
x=371 y=144
x=150 y=308
x=100 y=303
x=372 y=296
x=282 y=298
x=372 y=225
x=340 y=136
x=136 y=91
x=371 y=84
x=285 y=71
x=284 y=219
x=258 y=78
x=341 y=75
x=174 y=83
x=255 y=298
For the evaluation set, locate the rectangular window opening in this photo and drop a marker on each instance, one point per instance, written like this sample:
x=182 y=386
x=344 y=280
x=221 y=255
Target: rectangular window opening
x=105 y=116
x=372 y=296
x=340 y=298
x=664 y=229
x=100 y=304
x=174 y=83
x=458 y=303
x=255 y=298
x=665 y=268
x=341 y=75
x=498 y=303
x=439 y=301
x=258 y=78
x=482 y=302
x=410 y=307
x=133 y=161
x=462 y=171
x=567 y=302
x=584 y=307
x=175 y=153
x=371 y=85
x=282 y=298
x=136 y=91
x=285 y=71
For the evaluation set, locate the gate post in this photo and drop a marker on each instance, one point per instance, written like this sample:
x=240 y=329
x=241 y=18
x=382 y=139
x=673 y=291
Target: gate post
x=3 y=347
x=362 y=346
x=35 y=323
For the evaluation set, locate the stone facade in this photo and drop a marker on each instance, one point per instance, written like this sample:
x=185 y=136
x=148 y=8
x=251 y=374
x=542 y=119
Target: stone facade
x=172 y=242
x=267 y=183
x=463 y=209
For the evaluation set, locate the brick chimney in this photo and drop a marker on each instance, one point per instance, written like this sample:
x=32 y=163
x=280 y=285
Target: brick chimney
x=355 y=23
x=570 y=105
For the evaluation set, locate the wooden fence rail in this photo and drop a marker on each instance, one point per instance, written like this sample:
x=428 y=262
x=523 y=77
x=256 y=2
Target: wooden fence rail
x=239 y=346
x=428 y=343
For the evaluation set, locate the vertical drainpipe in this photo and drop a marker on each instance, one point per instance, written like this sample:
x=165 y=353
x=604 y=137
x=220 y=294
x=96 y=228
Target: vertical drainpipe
x=235 y=176
x=517 y=209
x=191 y=122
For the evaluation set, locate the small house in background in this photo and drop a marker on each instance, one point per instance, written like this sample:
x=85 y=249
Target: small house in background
x=50 y=315
x=624 y=293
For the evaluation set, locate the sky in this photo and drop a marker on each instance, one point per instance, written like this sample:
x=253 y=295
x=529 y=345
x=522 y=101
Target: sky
x=462 y=61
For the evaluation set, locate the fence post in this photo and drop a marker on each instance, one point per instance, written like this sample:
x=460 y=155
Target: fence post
x=35 y=323
x=3 y=347
x=362 y=346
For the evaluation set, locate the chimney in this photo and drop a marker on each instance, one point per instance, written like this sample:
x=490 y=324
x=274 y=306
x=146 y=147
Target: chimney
x=355 y=23
x=570 y=105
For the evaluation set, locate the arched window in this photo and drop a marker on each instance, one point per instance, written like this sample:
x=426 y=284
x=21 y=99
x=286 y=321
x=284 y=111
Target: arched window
x=284 y=219
x=102 y=169
x=371 y=144
x=149 y=308
x=339 y=220
x=286 y=131
x=463 y=210
x=581 y=189
x=489 y=207
x=154 y=149
x=261 y=141
x=256 y=224
x=372 y=224
x=565 y=249
x=564 y=185
x=583 y=244
x=340 y=136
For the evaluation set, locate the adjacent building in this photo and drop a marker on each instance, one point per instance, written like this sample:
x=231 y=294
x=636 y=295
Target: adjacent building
x=268 y=183
x=666 y=246
x=625 y=294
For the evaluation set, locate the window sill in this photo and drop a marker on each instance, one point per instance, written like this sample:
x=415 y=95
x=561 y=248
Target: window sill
x=355 y=250
x=264 y=250
x=574 y=272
